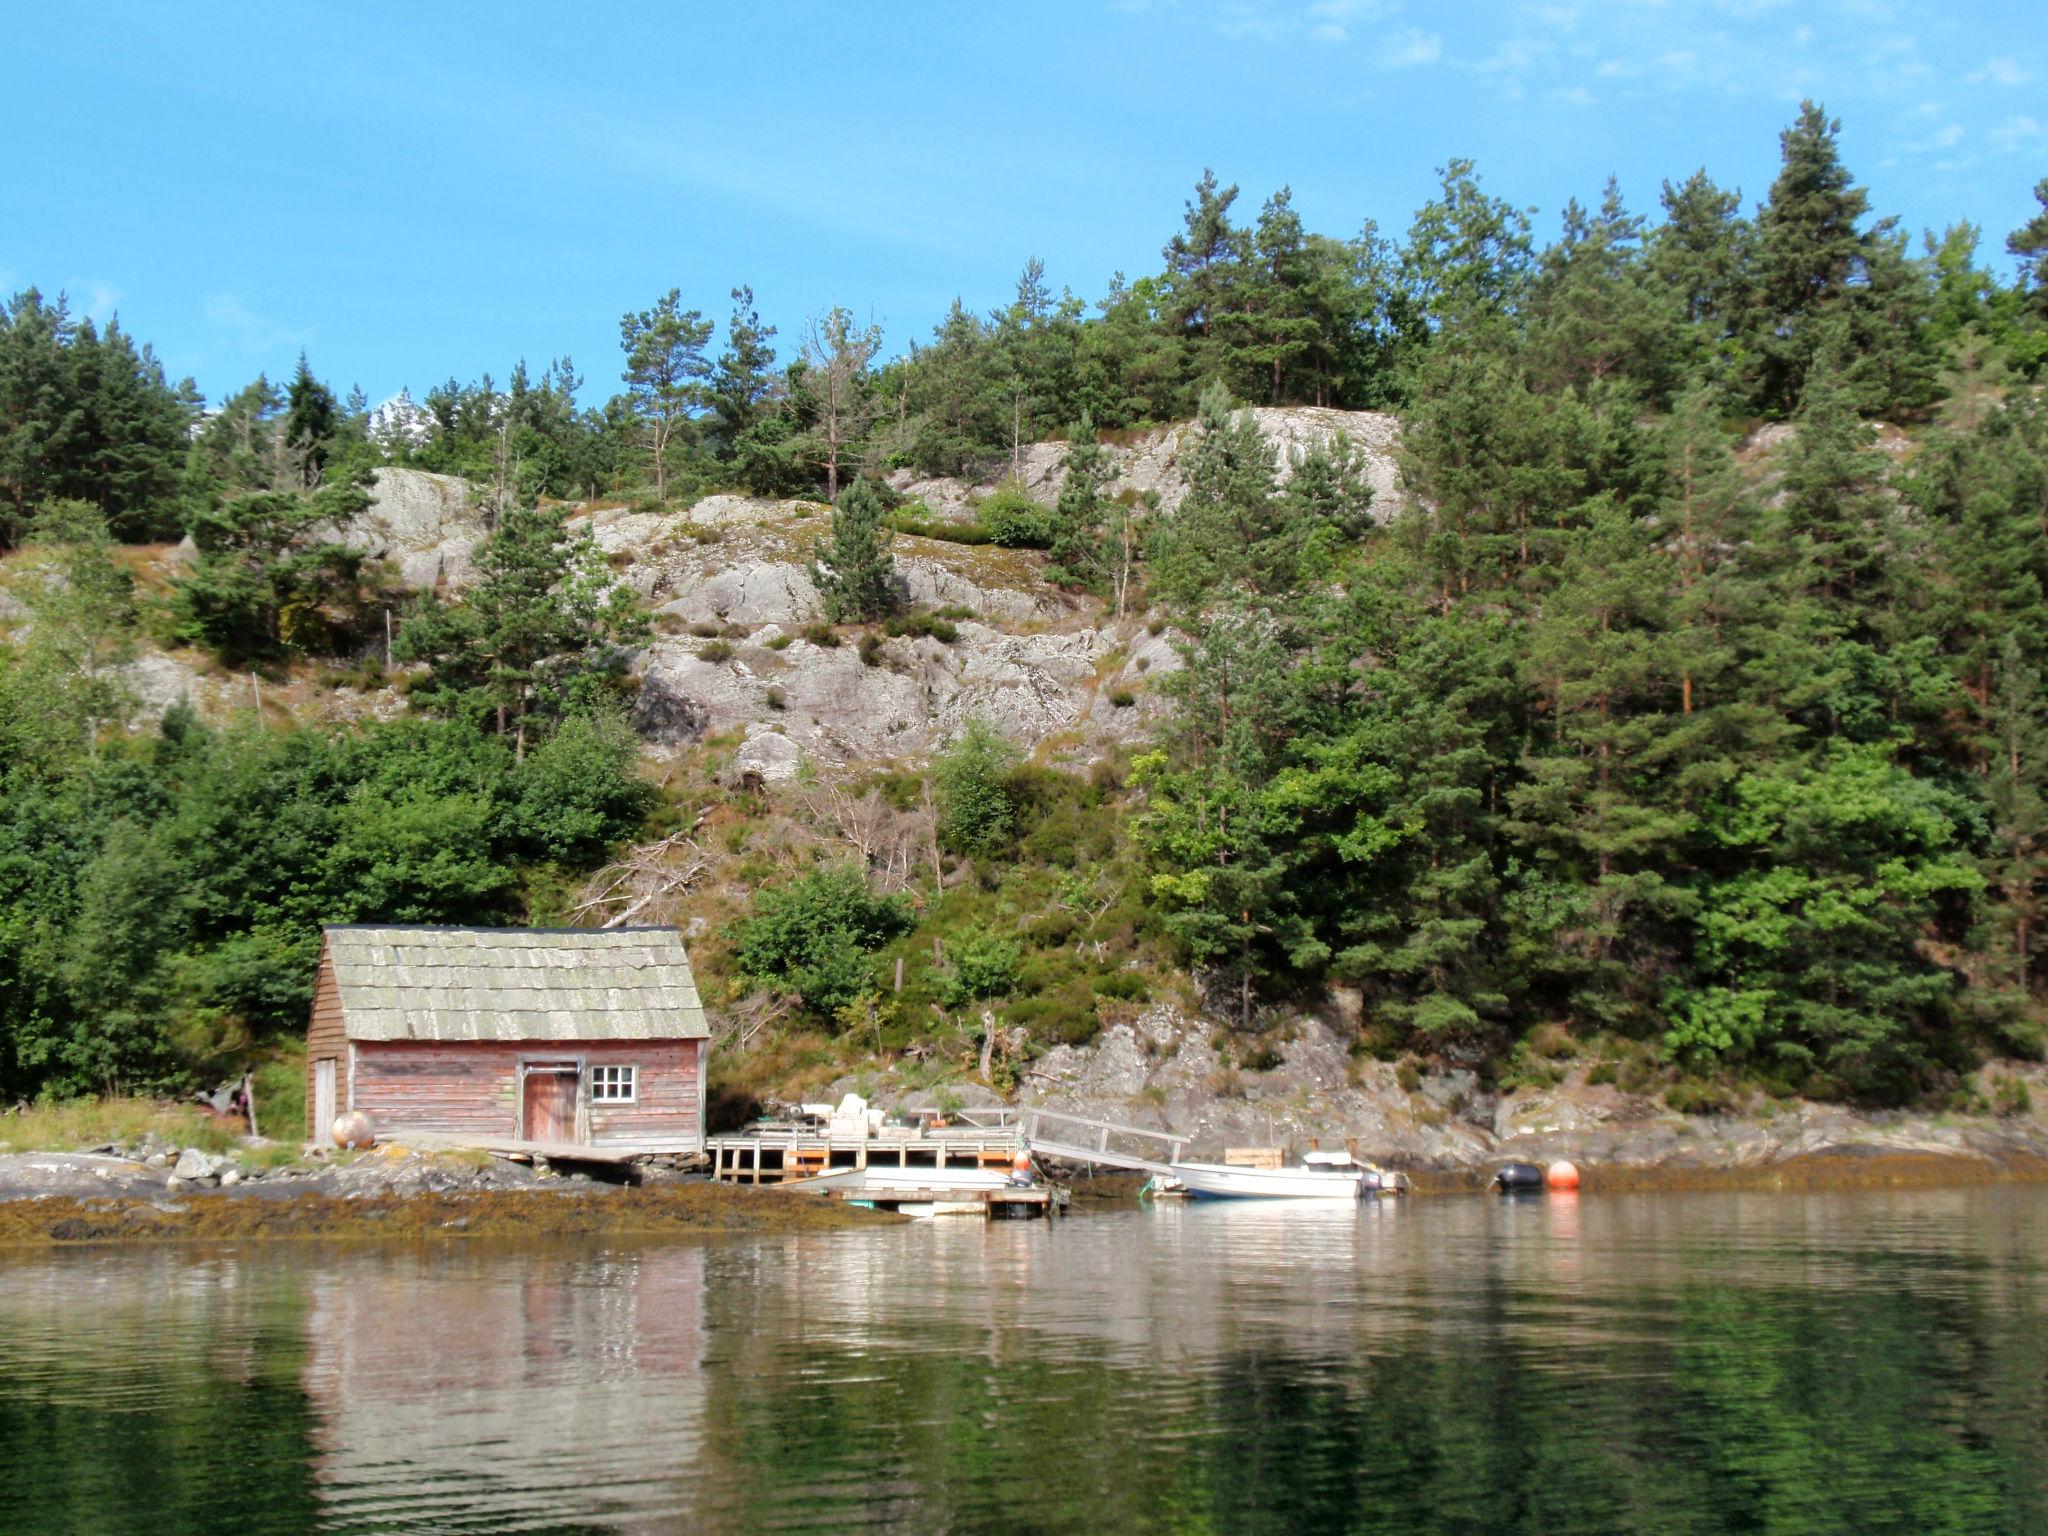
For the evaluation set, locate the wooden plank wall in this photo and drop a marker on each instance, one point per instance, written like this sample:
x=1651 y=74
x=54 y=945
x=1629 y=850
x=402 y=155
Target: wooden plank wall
x=668 y=1097
x=326 y=1038
x=472 y=1087
x=468 y=1086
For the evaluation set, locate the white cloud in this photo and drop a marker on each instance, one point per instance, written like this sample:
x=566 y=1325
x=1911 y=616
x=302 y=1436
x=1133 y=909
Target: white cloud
x=1332 y=21
x=92 y=299
x=2016 y=132
x=2003 y=70
x=249 y=330
x=1573 y=96
x=1410 y=47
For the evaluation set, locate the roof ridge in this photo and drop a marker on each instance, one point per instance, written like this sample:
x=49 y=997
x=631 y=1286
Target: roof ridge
x=487 y=928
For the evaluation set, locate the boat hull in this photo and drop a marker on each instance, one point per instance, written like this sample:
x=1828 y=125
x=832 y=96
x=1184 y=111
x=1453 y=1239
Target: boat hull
x=1219 y=1181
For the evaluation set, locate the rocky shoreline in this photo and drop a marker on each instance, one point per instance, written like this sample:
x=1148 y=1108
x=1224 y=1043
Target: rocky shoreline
x=1168 y=1070
x=74 y=1197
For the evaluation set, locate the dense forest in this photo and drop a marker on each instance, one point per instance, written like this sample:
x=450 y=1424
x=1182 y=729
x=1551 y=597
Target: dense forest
x=1694 y=703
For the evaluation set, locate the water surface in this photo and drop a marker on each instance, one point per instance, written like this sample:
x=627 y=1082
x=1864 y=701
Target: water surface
x=1868 y=1362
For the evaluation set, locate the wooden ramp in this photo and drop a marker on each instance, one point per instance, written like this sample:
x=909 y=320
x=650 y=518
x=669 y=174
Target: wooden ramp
x=1077 y=1139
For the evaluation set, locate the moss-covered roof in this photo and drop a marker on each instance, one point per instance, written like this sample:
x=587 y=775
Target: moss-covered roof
x=407 y=983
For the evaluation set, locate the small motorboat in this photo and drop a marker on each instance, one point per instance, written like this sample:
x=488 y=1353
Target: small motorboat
x=1320 y=1176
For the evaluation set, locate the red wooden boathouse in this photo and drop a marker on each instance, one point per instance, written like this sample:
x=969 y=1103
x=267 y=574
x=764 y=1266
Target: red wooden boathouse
x=559 y=1035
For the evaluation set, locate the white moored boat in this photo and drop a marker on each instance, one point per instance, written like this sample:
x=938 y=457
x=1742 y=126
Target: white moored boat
x=1324 y=1177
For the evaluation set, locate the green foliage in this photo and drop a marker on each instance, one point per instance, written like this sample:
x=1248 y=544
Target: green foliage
x=269 y=580
x=977 y=810
x=814 y=935
x=854 y=571
x=160 y=905
x=1012 y=518
x=983 y=968
x=65 y=687
x=927 y=624
x=664 y=374
x=87 y=416
x=543 y=631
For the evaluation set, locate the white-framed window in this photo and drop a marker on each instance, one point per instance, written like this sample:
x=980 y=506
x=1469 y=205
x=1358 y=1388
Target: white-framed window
x=614 y=1085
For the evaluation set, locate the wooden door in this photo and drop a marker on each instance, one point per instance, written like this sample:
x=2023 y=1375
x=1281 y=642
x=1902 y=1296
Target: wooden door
x=323 y=1101
x=549 y=1104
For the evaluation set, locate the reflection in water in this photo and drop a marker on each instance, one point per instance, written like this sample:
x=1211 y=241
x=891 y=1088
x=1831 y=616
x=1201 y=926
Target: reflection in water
x=1699 y=1363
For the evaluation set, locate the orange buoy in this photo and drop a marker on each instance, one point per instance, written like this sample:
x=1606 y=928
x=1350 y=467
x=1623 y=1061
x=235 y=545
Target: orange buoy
x=1562 y=1175
x=1021 y=1162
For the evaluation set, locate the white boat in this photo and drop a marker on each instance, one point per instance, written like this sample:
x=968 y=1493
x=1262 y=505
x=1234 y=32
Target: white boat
x=1318 y=1181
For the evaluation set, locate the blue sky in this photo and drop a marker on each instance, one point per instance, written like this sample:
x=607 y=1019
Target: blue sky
x=418 y=192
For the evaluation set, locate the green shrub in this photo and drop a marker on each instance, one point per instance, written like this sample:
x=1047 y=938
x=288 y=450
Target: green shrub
x=1122 y=698
x=1123 y=986
x=780 y=643
x=813 y=936
x=824 y=636
x=922 y=624
x=928 y=527
x=705 y=630
x=715 y=651
x=1699 y=1096
x=2011 y=1097
x=1015 y=521
x=1408 y=1075
x=775 y=700
x=871 y=649
x=983 y=967
x=977 y=814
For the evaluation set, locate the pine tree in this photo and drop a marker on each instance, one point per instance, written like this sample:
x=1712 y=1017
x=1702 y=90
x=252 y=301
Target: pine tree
x=311 y=421
x=855 y=573
x=2030 y=244
x=1701 y=253
x=544 y=628
x=1809 y=253
x=743 y=379
x=1076 y=557
x=664 y=374
x=1203 y=267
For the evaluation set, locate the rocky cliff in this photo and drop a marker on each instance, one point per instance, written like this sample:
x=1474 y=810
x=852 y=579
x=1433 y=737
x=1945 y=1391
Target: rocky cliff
x=1053 y=671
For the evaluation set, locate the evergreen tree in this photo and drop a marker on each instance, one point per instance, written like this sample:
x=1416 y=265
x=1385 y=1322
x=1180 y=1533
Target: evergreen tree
x=2030 y=244
x=1701 y=253
x=269 y=577
x=1467 y=260
x=312 y=421
x=743 y=380
x=1203 y=268
x=238 y=447
x=855 y=573
x=838 y=390
x=665 y=373
x=1076 y=557
x=85 y=415
x=542 y=633
x=1809 y=253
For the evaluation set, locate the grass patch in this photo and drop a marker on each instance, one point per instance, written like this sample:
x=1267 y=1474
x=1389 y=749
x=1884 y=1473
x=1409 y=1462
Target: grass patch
x=930 y=624
x=928 y=527
x=83 y=1123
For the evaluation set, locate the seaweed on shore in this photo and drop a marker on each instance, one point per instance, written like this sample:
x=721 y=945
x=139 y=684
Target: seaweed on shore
x=526 y=1213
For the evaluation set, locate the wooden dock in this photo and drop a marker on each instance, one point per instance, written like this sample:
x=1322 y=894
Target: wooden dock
x=783 y=1156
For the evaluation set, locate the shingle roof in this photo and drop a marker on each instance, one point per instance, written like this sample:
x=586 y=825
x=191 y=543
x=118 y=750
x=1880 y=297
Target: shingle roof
x=401 y=983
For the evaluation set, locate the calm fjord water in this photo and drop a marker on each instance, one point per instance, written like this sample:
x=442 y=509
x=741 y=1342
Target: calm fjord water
x=1867 y=1362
